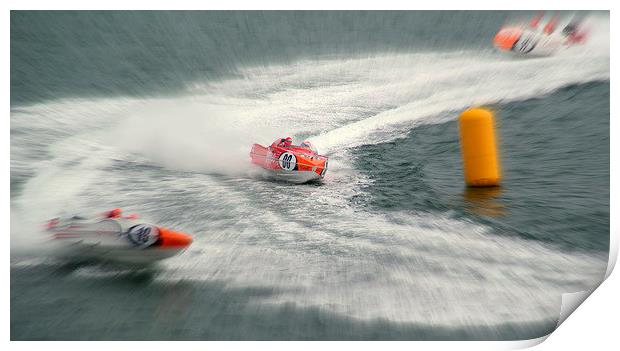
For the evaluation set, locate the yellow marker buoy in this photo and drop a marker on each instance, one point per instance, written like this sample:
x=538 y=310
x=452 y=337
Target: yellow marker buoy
x=479 y=148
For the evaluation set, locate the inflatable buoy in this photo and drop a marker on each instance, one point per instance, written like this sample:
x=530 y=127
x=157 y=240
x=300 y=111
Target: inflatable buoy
x=479 y=148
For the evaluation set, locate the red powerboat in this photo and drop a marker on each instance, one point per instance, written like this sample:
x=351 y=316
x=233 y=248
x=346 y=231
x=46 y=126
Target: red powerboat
x=284 y=161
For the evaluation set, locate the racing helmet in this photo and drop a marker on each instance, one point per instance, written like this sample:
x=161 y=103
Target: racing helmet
x=114 y=213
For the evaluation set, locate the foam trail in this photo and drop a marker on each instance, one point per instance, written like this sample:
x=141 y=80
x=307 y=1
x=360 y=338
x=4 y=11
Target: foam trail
x=212 y=131
x=189 y=135
x=483 y=81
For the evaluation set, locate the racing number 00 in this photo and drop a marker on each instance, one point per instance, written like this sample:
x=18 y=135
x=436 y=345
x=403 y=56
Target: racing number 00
x=288 y=161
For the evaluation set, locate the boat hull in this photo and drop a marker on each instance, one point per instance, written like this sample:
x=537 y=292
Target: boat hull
x=294 y=164
x=115 y=240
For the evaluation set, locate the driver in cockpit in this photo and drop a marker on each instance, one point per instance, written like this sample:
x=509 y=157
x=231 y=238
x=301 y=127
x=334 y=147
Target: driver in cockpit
x=283 y=142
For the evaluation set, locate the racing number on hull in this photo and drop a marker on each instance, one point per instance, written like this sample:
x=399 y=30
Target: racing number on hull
x=525 y=44
x=288 y=161
x=143 y=235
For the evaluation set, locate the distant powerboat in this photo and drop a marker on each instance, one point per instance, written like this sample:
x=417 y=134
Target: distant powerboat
x=532 y=40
